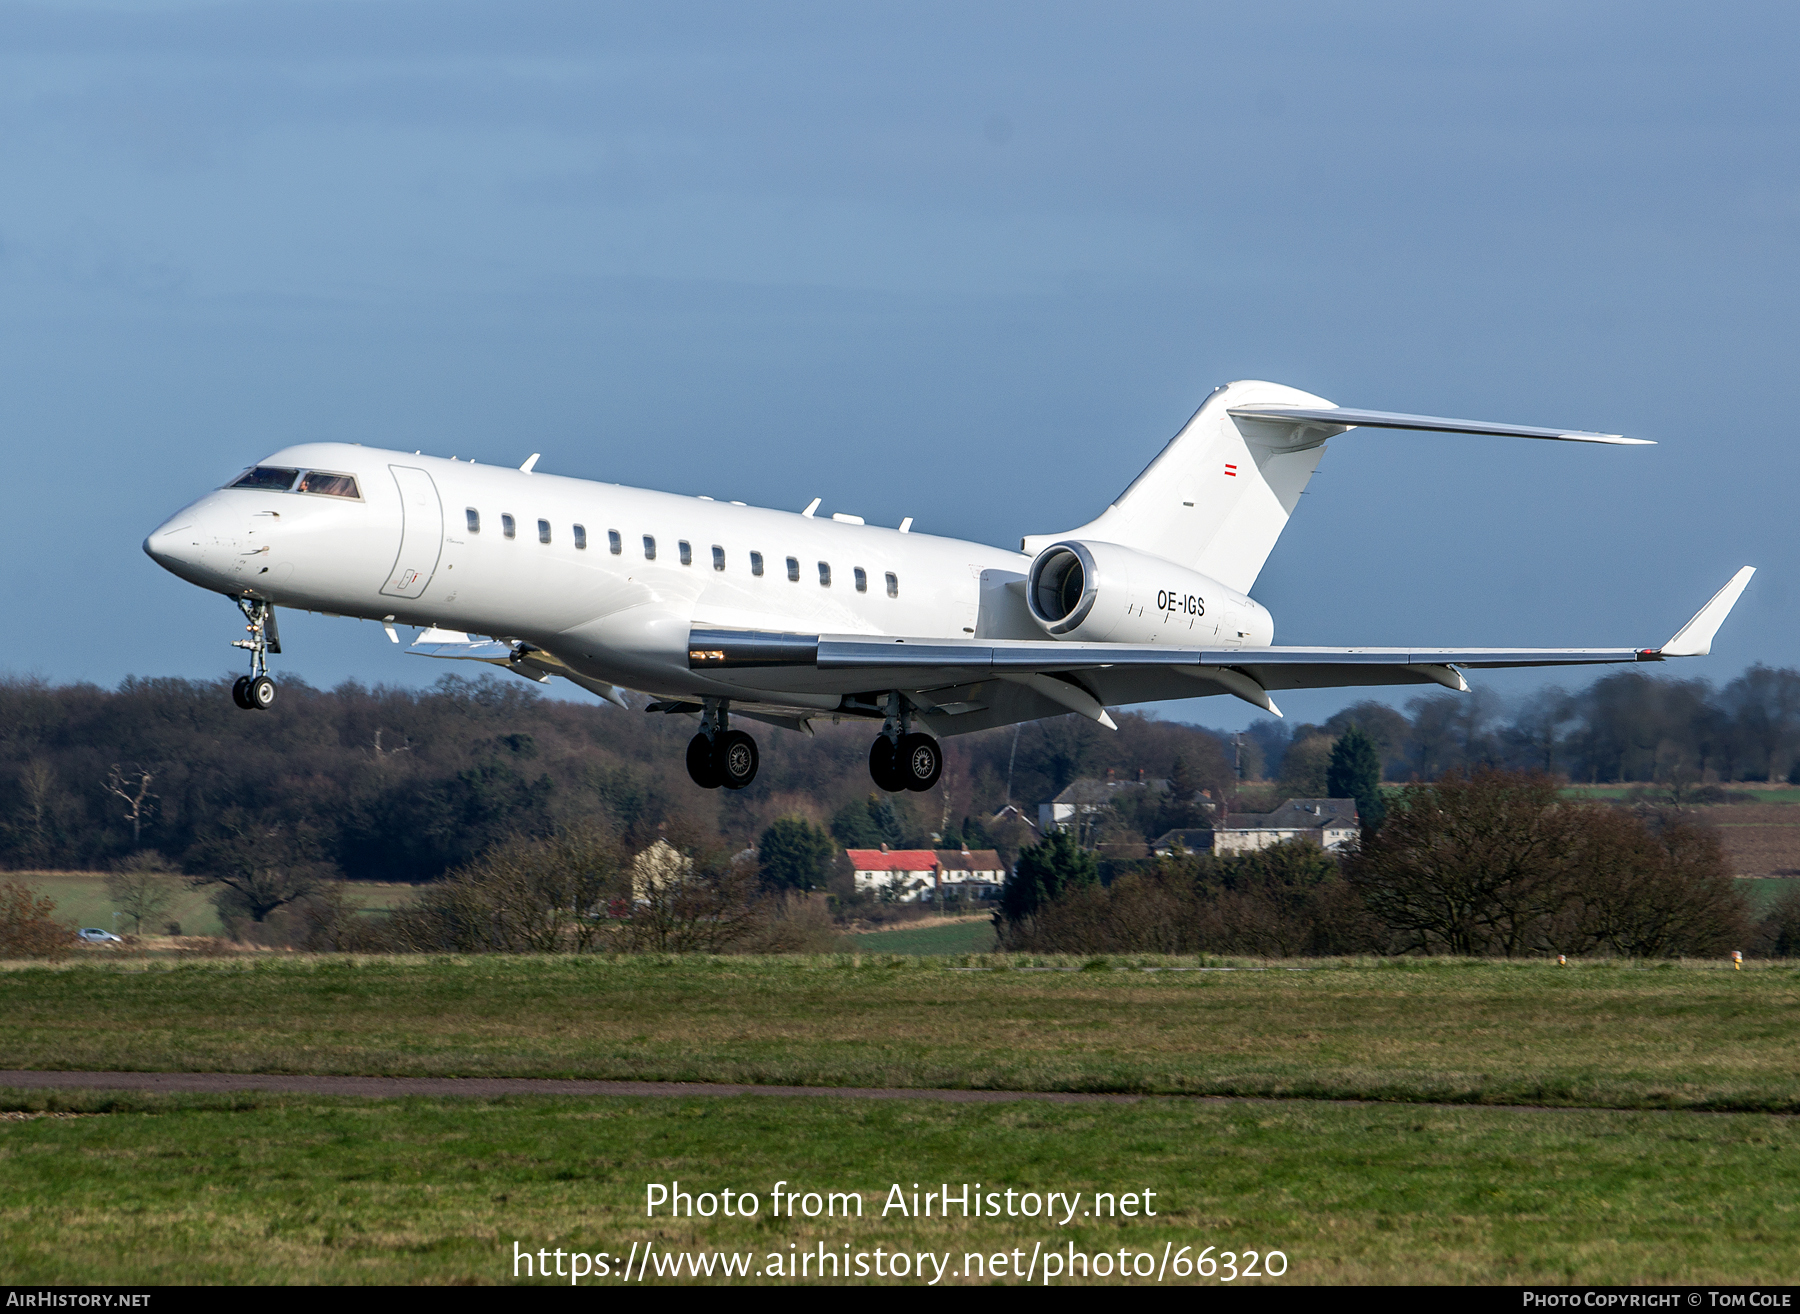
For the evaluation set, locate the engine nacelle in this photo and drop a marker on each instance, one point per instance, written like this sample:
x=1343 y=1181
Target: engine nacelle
x=1103 y=593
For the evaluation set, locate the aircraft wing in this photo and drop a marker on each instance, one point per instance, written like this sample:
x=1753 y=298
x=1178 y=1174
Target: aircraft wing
x=969 y=684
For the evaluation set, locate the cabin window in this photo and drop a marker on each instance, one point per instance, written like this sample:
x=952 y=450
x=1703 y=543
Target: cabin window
x=474 y=518
x=687 y=552
x=756 y=563
x=824 y=574
x=893 y=584
x=718 y=557
x=329 y=485
x=581 y=537
x=543 y=531
x=614 y=543
x=508 y=526
x=862 y=580
x=794 y=569
x=649 y=547
x=275 y=477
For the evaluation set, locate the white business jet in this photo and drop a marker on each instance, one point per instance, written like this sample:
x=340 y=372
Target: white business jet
x=726 y=611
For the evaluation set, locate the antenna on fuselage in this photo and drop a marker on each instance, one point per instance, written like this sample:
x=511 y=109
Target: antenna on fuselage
x=811 y=507
x=530 y=461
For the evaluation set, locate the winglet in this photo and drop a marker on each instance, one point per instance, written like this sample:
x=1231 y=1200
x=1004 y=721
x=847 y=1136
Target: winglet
x=1695 y=638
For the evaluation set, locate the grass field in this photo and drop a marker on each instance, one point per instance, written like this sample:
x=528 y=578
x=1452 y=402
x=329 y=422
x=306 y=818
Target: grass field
x=1758 y=790
x=1603 y=1034
x=263 y=1188
x=81 y=898
x=1765 y=892
x=272 y=1189
x=970 y=937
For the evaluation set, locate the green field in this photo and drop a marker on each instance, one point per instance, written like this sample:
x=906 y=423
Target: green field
x=1602 y=1034
x=1765 y=892
x=81 y=898
x=1758 y=792
x=971 y=937
x=275 y=1189
x=265 y=1188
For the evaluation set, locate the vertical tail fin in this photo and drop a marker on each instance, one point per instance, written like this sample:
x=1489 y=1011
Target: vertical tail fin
x=1219 y=495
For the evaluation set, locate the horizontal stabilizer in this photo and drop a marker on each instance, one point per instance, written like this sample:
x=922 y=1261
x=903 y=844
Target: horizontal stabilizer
x=1347 y=418
x=1695 y=638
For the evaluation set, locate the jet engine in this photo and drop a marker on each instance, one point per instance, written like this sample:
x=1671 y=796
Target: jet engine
x=1102 y=593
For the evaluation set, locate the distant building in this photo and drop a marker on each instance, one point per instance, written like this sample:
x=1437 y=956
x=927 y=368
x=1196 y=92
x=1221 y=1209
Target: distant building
x=928 y=875
x=1012 y=812
x=970 y=873
x=1088 y=799
x=1189 y=841
x=658 y=869
x=1330 y=823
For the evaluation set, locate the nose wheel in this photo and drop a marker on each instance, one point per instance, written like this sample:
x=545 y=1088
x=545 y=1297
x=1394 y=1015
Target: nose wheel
x=255 y=692
x=719 y=757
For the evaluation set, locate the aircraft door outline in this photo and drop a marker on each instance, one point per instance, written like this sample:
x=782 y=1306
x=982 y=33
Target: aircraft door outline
x=421 y=533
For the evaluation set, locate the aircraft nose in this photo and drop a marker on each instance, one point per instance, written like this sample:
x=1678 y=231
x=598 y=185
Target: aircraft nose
x=173 y=544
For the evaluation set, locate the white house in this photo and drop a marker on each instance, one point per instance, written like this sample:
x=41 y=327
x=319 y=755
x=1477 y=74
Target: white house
x=1331 y=823
x=928 y=875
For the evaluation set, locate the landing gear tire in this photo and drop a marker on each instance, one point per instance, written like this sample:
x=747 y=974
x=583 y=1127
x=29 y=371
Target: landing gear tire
x=918 y=762
x=881 y=765
x=701 y=769
x=240 y=694
x=734 y=759
x=259 y=693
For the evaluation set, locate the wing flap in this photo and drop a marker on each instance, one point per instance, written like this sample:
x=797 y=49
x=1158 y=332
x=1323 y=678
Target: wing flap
x=975 y=658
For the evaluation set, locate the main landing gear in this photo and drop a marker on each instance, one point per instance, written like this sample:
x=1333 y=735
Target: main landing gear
x=719 y=755
x=902 y=758
x=255 y=692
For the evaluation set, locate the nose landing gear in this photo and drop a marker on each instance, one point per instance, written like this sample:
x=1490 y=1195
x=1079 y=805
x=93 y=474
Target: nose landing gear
x=902 y=758
x=718 y=755
x=255 y=692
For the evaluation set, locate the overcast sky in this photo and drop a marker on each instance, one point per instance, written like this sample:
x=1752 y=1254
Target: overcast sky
x=968 y=263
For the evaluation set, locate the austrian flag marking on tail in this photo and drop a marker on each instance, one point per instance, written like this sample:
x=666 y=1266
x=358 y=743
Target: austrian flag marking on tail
x=1231 y=470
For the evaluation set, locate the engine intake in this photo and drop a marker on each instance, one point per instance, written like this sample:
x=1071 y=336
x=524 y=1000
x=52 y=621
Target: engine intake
x=1104 y=593
x=1063 y=587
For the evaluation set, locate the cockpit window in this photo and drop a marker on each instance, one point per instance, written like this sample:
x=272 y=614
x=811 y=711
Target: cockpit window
x=330 y=485
x=275 y=477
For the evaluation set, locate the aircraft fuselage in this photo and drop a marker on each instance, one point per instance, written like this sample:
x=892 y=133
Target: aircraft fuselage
x=609 y=578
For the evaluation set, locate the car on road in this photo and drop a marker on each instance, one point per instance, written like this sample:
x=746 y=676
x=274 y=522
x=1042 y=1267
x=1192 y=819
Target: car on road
x=94 y=935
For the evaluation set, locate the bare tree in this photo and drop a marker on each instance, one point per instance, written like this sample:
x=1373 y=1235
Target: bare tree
x=522 y=896
x=254 y=867
x=142 y=888
x=1655 y=890
x=134 y=788
x=41 y=789
x=26 y=928
x=1471 y=864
